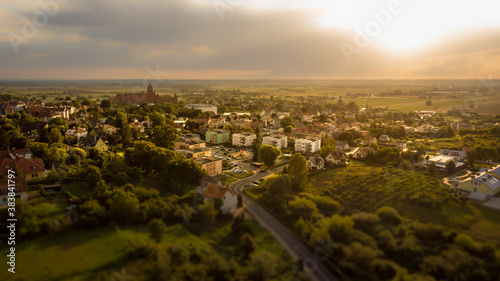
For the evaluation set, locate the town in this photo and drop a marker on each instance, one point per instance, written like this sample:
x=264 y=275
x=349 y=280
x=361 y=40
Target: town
x=233 y=183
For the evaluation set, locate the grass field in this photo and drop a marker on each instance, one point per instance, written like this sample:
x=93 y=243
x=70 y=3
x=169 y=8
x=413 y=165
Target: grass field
x=83 y=254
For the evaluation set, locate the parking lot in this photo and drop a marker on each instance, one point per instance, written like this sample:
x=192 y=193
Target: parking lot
x=232 y=156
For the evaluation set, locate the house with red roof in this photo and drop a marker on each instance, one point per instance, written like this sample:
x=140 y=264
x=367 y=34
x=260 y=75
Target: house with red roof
x=20 y=190
x=29 y=167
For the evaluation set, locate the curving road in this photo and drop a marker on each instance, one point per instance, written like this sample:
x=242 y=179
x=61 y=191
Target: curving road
x=317 y=271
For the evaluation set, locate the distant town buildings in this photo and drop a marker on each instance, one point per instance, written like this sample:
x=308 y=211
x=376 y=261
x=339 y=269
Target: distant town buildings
x=203 y=107
x=149 y=97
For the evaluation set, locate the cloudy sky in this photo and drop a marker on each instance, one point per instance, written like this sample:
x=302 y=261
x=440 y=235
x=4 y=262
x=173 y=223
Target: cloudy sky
x=249 y=39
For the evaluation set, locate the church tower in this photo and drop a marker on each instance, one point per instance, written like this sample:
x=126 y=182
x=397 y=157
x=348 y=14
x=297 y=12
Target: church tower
x=150 y=89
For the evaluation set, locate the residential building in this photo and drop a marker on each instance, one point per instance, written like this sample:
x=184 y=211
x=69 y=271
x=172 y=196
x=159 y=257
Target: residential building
x=188 y=137
x=442 y=160
x=202 y=120
x=196 y=153
x=307 y=145
x=487 y=182
x=243 y=139
x=212 y=165
x=139 y=126
x=212 y=187
x=278 y=141
x=100 y=145
x=190 y=144
x=109 y=129
x=363 y=152
x=315 y=163
x=336 y=158
x=342 y=146
x=384 y=138
x=77 y=132
x=217 y=136
x=368 y=139
x=20 y=190
x=458 y=155
x=29 y=169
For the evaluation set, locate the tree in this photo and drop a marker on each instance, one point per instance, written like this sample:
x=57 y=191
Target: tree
x=268 y=154
x=121 y=119
x=262 y=266
x=247 y=244
x=126 y=132
x=432 y=168
x=165 y=136
x=288 y=129
x=157 y=118
x=156 y=229
x=287 y=121
x=450 y=167
x=94 y=176
x=55 y=136
x=121 y=179
x=279 y=185
x=208 y=213
x=297 y=169
x=105 y=104
x=124 y=206
x=302 y=207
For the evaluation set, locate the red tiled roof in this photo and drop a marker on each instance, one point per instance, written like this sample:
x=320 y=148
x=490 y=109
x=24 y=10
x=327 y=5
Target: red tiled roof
x=28 y=166
x=215 y=191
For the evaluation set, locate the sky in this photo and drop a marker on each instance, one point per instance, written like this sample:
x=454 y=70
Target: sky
x=249 y=39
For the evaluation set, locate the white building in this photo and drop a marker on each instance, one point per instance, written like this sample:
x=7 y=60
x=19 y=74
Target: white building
x=307 y=145
x=278 y=141
x=243 y=139
x=203 y=107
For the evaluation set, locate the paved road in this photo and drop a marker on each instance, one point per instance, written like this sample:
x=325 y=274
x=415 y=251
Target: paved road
x=287 y=239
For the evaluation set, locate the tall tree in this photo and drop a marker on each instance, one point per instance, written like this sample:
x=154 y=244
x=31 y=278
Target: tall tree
x=287 y=121
x=165 y=136
x=297 y=170
x=268 y=154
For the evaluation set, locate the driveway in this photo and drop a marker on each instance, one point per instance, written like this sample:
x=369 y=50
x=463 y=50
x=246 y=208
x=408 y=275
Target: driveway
x=494 y=203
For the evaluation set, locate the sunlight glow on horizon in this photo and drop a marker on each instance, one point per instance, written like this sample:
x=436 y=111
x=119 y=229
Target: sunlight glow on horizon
x=419 y=24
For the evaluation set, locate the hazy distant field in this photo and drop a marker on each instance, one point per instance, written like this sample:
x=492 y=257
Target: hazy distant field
x=287 y=89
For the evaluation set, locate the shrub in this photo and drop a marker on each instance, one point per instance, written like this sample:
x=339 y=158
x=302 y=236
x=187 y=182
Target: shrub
x=388 y=215
x=262 y=266
x=302 y=207
x=327 y=206
x=365 y=222
x=156 y=229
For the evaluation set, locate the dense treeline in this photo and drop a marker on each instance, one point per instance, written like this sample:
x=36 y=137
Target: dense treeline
x=368 y=240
